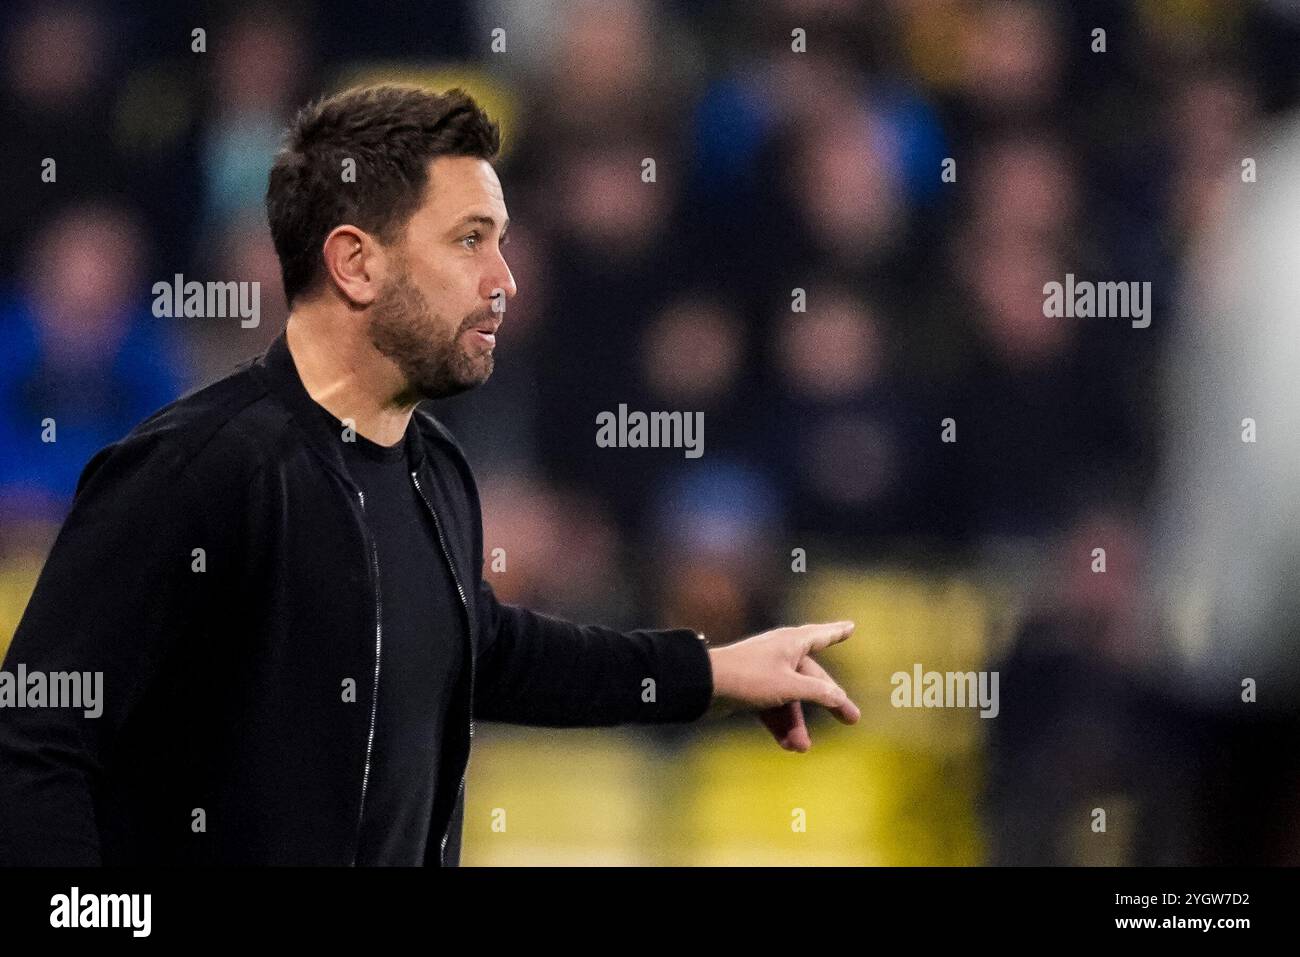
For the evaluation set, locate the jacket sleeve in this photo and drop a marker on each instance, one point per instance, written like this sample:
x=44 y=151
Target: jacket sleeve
x=113 y=597
x=537 y=670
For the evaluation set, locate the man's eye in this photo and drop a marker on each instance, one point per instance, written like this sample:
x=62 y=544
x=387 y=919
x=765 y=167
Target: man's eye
x=471 y=238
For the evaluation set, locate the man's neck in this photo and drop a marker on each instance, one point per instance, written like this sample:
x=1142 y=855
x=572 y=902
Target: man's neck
x=342 y=372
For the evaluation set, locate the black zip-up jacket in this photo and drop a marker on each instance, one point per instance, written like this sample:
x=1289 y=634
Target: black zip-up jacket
x=216 y=568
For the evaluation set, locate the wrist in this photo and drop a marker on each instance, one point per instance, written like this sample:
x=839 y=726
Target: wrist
x=721 y=702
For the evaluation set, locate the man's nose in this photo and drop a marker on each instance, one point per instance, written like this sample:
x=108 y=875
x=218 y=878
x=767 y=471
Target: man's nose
x=501 y=279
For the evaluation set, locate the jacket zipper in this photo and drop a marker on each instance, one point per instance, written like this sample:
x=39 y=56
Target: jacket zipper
x=374 y=697
x=442 y=543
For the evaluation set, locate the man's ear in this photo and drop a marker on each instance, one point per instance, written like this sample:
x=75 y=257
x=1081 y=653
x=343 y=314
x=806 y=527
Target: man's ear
x=354 y=264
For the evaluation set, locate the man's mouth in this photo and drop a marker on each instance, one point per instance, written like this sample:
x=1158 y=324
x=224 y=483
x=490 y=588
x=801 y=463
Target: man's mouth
x=486 y=331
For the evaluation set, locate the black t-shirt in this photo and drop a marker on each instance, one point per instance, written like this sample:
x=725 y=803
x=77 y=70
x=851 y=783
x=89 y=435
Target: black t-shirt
x=421 y=653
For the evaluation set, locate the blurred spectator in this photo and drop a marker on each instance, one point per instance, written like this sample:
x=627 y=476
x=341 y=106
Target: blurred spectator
x=1089 y=721
x=258 y=60
x=84 y=358
x=55 y=59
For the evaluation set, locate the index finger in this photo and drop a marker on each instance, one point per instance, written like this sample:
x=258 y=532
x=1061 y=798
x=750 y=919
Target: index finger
x=817 y=637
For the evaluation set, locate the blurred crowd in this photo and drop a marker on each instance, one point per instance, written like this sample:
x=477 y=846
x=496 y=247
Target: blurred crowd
x=800 y=269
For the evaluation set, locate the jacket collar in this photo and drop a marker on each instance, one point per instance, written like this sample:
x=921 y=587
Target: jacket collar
x=278 y=370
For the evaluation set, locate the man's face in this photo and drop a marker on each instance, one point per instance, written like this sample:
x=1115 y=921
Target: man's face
x=448 y=284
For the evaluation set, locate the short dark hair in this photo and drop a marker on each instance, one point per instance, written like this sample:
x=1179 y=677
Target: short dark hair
x=391 y=132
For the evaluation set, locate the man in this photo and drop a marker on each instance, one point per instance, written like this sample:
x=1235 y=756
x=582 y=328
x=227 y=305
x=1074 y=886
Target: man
x=280 y=575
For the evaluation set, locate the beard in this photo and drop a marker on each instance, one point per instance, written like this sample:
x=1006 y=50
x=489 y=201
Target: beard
x=432 y=358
